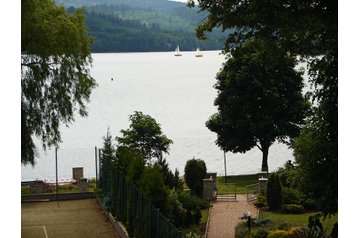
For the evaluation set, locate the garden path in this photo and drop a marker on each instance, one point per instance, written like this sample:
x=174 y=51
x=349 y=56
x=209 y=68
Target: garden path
x=225 y=215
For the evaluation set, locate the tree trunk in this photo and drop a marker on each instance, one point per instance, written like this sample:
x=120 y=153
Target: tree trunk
x=265 y=150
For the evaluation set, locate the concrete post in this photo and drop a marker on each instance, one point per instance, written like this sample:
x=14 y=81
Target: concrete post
x=39 y=186
x=83 y=185
x=208 y=189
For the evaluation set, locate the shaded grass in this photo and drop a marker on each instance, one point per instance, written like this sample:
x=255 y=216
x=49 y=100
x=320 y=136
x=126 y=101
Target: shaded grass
x=298 y=219
x=240 y=181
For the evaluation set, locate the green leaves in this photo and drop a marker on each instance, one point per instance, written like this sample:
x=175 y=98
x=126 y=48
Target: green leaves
x=259 y=98
x=145 y=135
x=55 y=78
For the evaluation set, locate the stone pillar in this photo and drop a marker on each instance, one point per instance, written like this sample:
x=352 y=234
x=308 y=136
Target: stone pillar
x=262 y=184
x=208 y=189
x=83 y=185
x=39 y=186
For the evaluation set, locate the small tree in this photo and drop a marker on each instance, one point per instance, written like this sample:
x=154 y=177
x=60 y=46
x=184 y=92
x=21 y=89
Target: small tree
x=168 y=176
x=145 y=135
x=195 y=171
x=274 y=191
x=107 y=156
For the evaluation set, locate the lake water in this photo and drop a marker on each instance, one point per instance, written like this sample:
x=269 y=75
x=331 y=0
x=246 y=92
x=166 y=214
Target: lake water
x=176 y=91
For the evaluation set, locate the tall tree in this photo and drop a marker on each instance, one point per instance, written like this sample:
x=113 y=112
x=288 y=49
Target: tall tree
x=145 y=135
x=55 y=79
x=307 y=28
x=259 y=99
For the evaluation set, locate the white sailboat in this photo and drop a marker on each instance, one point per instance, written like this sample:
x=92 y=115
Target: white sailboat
x=198 y=53
x=177 y=52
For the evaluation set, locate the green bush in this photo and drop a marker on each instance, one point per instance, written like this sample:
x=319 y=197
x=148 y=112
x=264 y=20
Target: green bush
x=274 y=192
x=308 y=203
x=290 y=196
x=292 y=209
x=266 y=222
x=259 y=233
x=195 y=171
x=191 y=202
x=241 y=231
x=260 y=202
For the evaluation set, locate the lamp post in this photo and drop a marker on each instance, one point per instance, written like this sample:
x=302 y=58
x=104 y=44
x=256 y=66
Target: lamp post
x=249 y=221
x=225 y=165
x=56 y=174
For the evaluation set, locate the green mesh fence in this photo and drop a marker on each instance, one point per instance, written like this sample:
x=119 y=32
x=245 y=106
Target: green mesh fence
x=127 y=204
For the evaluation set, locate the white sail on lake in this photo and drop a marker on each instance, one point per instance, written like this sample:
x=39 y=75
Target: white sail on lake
x=177 y=52
x=198 y=53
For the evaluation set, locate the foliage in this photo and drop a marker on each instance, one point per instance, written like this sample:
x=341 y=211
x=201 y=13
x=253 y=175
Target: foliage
x=292 y=208
x=191 y=202
x=308 y=29
x=334 y=233
x=136 y=26
x=314 y=222
x=289 y=175
x=146 y=136
x=192 y=235
x=124 y=157
x=290 y=196
x=55 y=79
x=259 y=99
x=279 y=234
x=106 y=159
x=260 y=202
x=153 y=188
x=168 y=176
x=259 y=233
x=274 y=191
x=317 y=157
x=135 y=170
x=195 y=171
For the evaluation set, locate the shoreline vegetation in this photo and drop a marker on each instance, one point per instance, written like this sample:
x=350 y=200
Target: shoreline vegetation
x=144 y=26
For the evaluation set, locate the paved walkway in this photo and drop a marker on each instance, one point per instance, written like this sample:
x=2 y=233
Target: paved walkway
x=225 y=215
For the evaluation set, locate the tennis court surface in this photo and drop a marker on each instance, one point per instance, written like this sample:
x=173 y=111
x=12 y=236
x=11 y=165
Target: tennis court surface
x=69 y=219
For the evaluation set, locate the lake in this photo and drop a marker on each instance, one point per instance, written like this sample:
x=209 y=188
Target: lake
x=176 y=91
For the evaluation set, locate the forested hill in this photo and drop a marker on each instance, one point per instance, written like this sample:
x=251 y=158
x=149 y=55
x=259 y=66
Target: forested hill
x=143 y=25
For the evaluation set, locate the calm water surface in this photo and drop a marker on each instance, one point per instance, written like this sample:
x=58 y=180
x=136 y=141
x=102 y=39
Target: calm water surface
x=177 y=91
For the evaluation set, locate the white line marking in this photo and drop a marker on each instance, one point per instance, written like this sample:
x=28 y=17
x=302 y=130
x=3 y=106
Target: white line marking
x=45 y=231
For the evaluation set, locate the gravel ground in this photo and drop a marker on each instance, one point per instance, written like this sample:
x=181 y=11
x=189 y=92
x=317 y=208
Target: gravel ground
x=225 y=215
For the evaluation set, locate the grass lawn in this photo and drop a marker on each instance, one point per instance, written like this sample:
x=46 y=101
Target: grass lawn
x=298 y=219
x=241 y=181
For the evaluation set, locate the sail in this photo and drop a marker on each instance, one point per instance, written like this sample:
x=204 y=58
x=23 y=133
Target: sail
x=198 y=53
x=177 y=51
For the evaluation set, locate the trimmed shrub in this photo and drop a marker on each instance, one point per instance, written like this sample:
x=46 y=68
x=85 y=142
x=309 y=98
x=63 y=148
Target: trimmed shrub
x=260 y=202
x=274 y=192
x=191 y=202
x=195 y=171
x=292 y=209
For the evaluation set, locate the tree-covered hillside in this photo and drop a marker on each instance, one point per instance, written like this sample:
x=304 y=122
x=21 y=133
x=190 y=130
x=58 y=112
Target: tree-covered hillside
x=139 y=25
